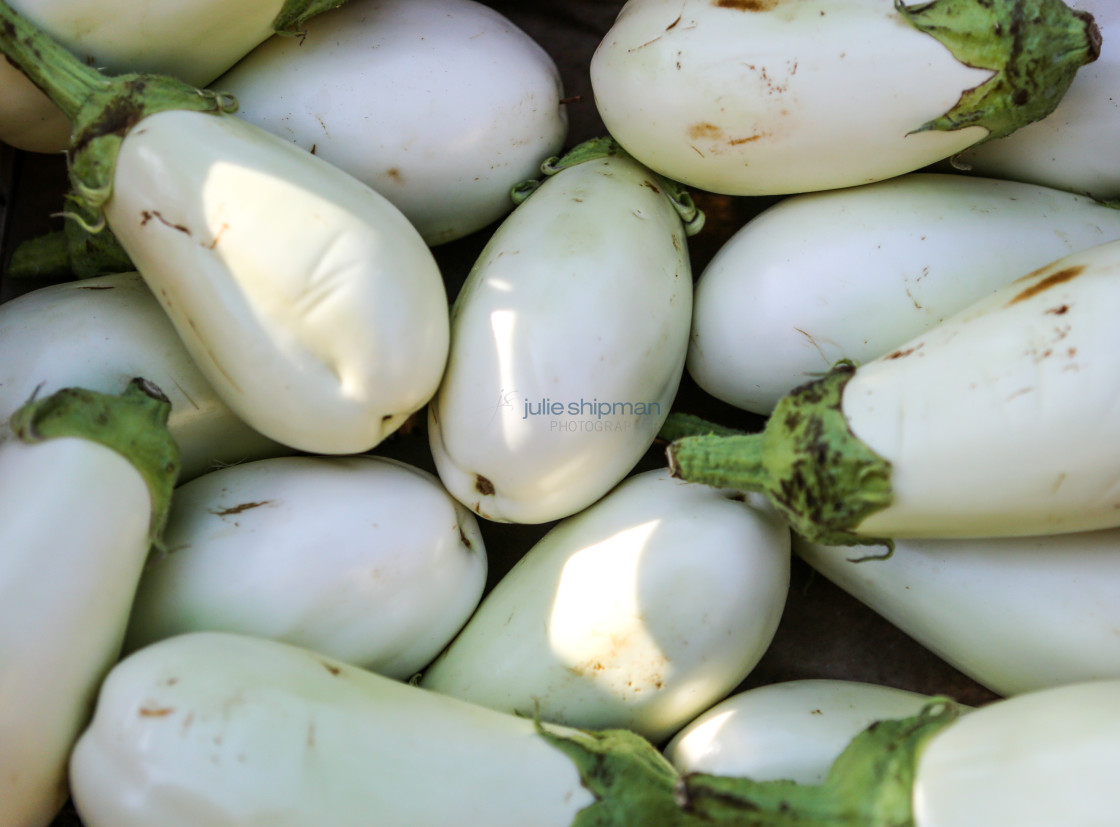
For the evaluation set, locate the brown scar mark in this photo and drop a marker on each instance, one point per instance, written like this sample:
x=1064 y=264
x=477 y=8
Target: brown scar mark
x=463 y=537
x=155 y=712
x=1060 y=277
x=394 y=174
x=334 y=670
x=1060 y=310
x=651 y=185
x=737 y=141
x=899 y=354
x=746 y=5
x=673 y=25
x=148 y=215
x=218 y=237
x=237 y=509
x=704 y=129
x=483 y=486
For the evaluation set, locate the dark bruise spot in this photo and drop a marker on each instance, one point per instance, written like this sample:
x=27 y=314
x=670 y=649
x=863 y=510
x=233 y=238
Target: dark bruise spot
x=334 y=670
x=746 y=5
x=651 y=185
x=739 y=498
x=463 y=537
x=148 y=215
x=1060 y=310
x=394 y=174
x=673 y=25
x=314 y=148
x=704 y=129
x=1020 y=97
x=899 y=354
x=483 y=486
x=1060 y=277
x=237 y=509
x=155 y=712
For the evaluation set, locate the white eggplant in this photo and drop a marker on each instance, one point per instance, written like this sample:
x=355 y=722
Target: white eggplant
x=195 y=40
x=1014 y=614
x=753 y=97
x=854 y=273
x=791 y=730
x=79 y=507
x=997 y=422
x=311 y=305
x=440 y=105
x=1073 y=147
x=568 y=342
x=638 y=613
x=224 y=730
x=365 y=559
x=98 y=333
x=1036 y=760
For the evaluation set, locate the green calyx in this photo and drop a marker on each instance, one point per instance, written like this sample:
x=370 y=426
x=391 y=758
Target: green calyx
x=1032 y=47
x=692 y=217
x=133 y=424
x=103 y=109
x=78 y=251
x=869 y=785
x=819 y=475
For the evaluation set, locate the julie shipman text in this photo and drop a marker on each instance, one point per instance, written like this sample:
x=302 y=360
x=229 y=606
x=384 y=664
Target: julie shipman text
x=546 y=407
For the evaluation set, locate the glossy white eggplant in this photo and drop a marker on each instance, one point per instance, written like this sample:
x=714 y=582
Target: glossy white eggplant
x=365 y=559
x=755 y=97
x=309 y=302
x=98 y=333
x=638 y=613
x=220 y=729
x=790 y=730
x=997 y=422
x=442 y=106
x=854 y=273
x=195 y=40
x=1073 y=147
x=77 y=517
x=1014 y=614
x=568 y=342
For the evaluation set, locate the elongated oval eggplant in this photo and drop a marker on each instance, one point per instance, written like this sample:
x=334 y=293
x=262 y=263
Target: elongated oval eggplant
x=790 y=730
x=568 y=343
x=100 y=332
x=365 y=559
x=928 y=440
x=224 y=729
x=637 y=613
x=1014 y=614
x=855 y=273
x=85 y=481
x=440 y=105
x=769 y=97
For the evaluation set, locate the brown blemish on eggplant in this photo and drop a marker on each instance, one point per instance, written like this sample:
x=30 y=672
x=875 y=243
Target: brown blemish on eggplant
x=148 y=215
x=394 y=174
x=237 y=509
x=1060 y=277
x=218 y=237
x=483 y=486
x=704 y=129
x=900 y=354
x=155 y=712
x=673 y=25
x=334 y=670
x=651 y=185
x=746 y=5
x=1061 y=310
x=463 y=537
x=747 y=140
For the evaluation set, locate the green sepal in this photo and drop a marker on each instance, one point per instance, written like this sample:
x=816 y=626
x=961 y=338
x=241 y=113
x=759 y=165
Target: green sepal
x=1033 y=48
x=692 y=217
x=82 y=249
x=111 y=111
x=870 y=784
x=133 y=424
x=819 y=475
x=295 y=13
x=632 y=782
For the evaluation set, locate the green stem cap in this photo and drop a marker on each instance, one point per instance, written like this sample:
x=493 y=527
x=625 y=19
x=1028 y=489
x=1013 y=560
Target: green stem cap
x=133 y=424
x=1032 y=47
x=819 y=475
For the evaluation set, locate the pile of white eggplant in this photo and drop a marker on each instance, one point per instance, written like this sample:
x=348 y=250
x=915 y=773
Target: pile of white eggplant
x=252 y=487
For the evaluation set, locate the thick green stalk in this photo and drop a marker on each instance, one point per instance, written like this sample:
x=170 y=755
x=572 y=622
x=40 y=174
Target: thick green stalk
x=1032 y=47
x=679 y=425
x=133 y=424
x=869 y=785
x=819 y=475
